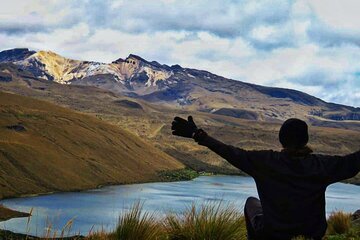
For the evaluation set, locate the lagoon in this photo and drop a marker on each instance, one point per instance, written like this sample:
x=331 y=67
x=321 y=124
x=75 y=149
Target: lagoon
x=100 y=208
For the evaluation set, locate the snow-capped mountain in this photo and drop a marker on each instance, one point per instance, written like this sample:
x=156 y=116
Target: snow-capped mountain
x=51 y=66
x=178 y=87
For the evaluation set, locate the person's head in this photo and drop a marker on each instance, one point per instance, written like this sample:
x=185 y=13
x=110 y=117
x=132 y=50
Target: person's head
x=294 y=134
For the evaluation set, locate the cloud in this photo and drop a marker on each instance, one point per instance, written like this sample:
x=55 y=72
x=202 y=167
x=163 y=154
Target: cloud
x=32 y=16
x=302 y=44
x=337 y=14
x=329 y=37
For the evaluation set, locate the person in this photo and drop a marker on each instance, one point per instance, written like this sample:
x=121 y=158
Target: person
x=291 y=184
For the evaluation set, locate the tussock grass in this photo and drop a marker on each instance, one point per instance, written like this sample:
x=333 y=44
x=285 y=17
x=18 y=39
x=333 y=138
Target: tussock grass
x=137 y=224
x=208 y=222
x=100 y=235
x=339 y=223
x=300 y=238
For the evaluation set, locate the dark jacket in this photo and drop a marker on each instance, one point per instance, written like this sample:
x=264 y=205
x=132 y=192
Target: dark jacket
x=291 y=189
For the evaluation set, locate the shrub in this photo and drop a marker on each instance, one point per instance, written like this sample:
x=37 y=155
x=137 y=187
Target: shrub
x=177 y=175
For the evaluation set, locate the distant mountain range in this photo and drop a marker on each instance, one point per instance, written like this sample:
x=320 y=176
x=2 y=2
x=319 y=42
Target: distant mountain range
x=177 y=87
x=126 y=108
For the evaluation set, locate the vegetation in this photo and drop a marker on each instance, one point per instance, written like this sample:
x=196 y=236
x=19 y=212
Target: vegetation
x=206 y=222
x=137 y=224
x=178 y=175
x=152 y=123
x=209 y=222
x=339 y=223
x=46 y=148
x=341 y=227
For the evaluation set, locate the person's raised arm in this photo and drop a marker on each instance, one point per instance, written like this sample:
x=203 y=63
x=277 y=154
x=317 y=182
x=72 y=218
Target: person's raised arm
x=240 y=158
x=338 y=168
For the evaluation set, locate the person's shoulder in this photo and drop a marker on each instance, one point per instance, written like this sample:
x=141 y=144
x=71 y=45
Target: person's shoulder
x=265 y=152
x=325 y=156
x=269 y=154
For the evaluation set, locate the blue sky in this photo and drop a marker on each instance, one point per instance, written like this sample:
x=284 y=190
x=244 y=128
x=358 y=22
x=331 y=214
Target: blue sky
x=312 y=46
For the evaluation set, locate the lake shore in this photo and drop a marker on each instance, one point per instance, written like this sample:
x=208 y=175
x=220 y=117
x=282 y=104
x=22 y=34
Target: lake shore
x=185 y=174
x=236 y=189
x=164 y=176
x=5 y=234
x=7 y=213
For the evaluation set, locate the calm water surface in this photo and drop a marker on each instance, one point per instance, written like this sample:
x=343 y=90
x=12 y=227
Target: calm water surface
x=100 y=208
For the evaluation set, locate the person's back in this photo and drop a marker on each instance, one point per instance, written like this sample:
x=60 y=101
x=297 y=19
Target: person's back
x=291 y=184
x=292 y=194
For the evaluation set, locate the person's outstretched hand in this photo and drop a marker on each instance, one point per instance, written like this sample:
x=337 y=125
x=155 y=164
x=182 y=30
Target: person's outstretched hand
x=183 y=128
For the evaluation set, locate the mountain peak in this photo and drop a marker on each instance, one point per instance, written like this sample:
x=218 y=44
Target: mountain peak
x=129 y=58
x=47 y=52
x=136 y=57
x=16 y=54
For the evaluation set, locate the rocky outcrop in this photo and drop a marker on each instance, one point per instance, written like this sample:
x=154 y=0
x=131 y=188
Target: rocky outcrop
x=129 y=104
x=5 y=77
x=354 y=116
x=356 y=215
x=16 y=127
x=237 y=113
x=14 y=55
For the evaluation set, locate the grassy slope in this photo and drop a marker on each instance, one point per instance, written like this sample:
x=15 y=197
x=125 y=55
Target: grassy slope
x=152 y=123
x=64 y=150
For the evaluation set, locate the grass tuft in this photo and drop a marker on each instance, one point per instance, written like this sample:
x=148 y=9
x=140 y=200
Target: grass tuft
x=209 y=222
x=137 y=224
x=339 y=223
x=300 y=238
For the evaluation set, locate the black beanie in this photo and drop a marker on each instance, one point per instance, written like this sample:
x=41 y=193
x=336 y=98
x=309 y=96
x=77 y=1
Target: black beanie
x=294 y=133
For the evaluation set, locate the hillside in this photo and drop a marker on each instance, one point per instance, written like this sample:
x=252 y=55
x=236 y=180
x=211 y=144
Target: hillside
x=180 y=88
x=44 y=147
x=151 y=122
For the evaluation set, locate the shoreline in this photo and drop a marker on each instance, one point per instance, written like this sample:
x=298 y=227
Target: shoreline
x=19 y=214
x=6 y=234
x=7 y=214
x=131 y=183
x=102 y=185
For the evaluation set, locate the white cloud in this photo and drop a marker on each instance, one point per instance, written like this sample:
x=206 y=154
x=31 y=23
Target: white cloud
x=311 y=46
x=338 y=14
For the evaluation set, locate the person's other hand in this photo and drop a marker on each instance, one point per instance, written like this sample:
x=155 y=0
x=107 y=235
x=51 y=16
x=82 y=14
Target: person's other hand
x=181 y=127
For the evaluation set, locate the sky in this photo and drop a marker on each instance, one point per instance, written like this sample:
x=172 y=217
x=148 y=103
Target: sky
x=308 y=45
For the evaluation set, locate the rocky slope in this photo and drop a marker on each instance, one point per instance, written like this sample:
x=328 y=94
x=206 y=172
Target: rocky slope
x=180 y=88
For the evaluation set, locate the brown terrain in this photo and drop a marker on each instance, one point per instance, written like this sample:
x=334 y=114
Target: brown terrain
x=45 y=148
x=95 y=130
x=6 y=213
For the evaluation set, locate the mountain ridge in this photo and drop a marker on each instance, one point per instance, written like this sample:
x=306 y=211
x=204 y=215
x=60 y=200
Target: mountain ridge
x=151 y=121
x=182 y=88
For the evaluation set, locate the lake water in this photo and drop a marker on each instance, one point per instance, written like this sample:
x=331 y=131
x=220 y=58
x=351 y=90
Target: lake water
x=100 y=208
